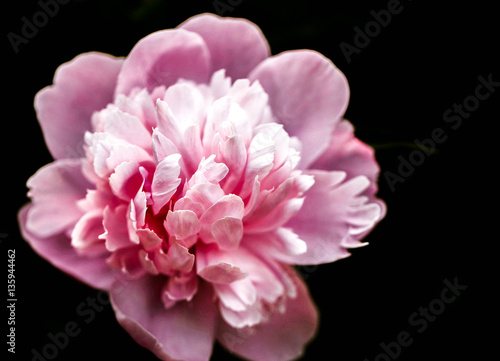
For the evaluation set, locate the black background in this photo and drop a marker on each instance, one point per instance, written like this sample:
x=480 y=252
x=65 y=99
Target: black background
x=439 y=223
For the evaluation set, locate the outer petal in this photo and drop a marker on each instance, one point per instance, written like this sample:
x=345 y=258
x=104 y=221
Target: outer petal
x=63 y=181
x=236 y=45
x=81 y=86
x=347 y=153
x=184 y=332
x=283 y=337
x=329 y=230
x=162 y=58
x=59 y=252
x=308 y=95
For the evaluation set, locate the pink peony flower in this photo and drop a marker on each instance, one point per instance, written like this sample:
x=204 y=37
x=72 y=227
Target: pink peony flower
x=191 y=175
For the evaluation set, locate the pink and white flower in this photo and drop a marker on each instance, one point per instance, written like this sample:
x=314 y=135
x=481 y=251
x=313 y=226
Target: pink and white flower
x=191 y=175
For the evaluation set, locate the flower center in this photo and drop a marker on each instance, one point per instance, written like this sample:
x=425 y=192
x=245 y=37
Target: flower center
x=183 y=176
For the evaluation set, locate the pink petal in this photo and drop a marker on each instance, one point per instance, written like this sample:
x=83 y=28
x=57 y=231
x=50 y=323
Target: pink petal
x=85 y=234
x=282 y=337
x=179 y=288
x=236 y=45
x=221 y=272
x=252 y=98
x=149 y=239
x=128 y=261
x=182 y=224
x=162 y=58
x=139 y=204
x=237 y=295
x=192 y=148
x=81 y=86
x=283 y=244
x=328 y=230
x=217 y=266
x=141 y=106
x=118 y=231
x=106 y=152
x=126 y=181
x=177 y=259
x=57 y=249
x=168 y=125
x=125 y=126
x=347 y=153
x=308 y=95
x=181 y=129
x=277 y=217
x=209 y=172
x=234 y=155
x=180 y=258
x=61 y=180
x=259 y=163
x=229 y=209
x=186 y=103
x=223 y=114
x=123 y=152
x=251 y=316
x=165 y=181
x=183 y=332
x=147 y=263
x=162 y=146
x=227 y=232
x=200 y=197
x=270 y=201
x=242 y=299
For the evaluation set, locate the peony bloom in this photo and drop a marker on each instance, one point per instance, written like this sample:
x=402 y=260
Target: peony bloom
x=191 y=175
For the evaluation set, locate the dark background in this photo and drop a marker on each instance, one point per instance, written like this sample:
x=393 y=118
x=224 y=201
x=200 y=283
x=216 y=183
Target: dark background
x=439 y=223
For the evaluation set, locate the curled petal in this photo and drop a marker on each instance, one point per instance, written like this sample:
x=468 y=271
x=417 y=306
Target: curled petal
x=119 y=232
x=128 y=261
x=149 y=239
x=85 y=234
x=200 y=197
x=126 y=181
x=182 y=223
x=165 y=181
x=177 y=259
x=229 y=211
x=217 y=266
x=209 y=172
x=179 y=288
x=162 y=146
